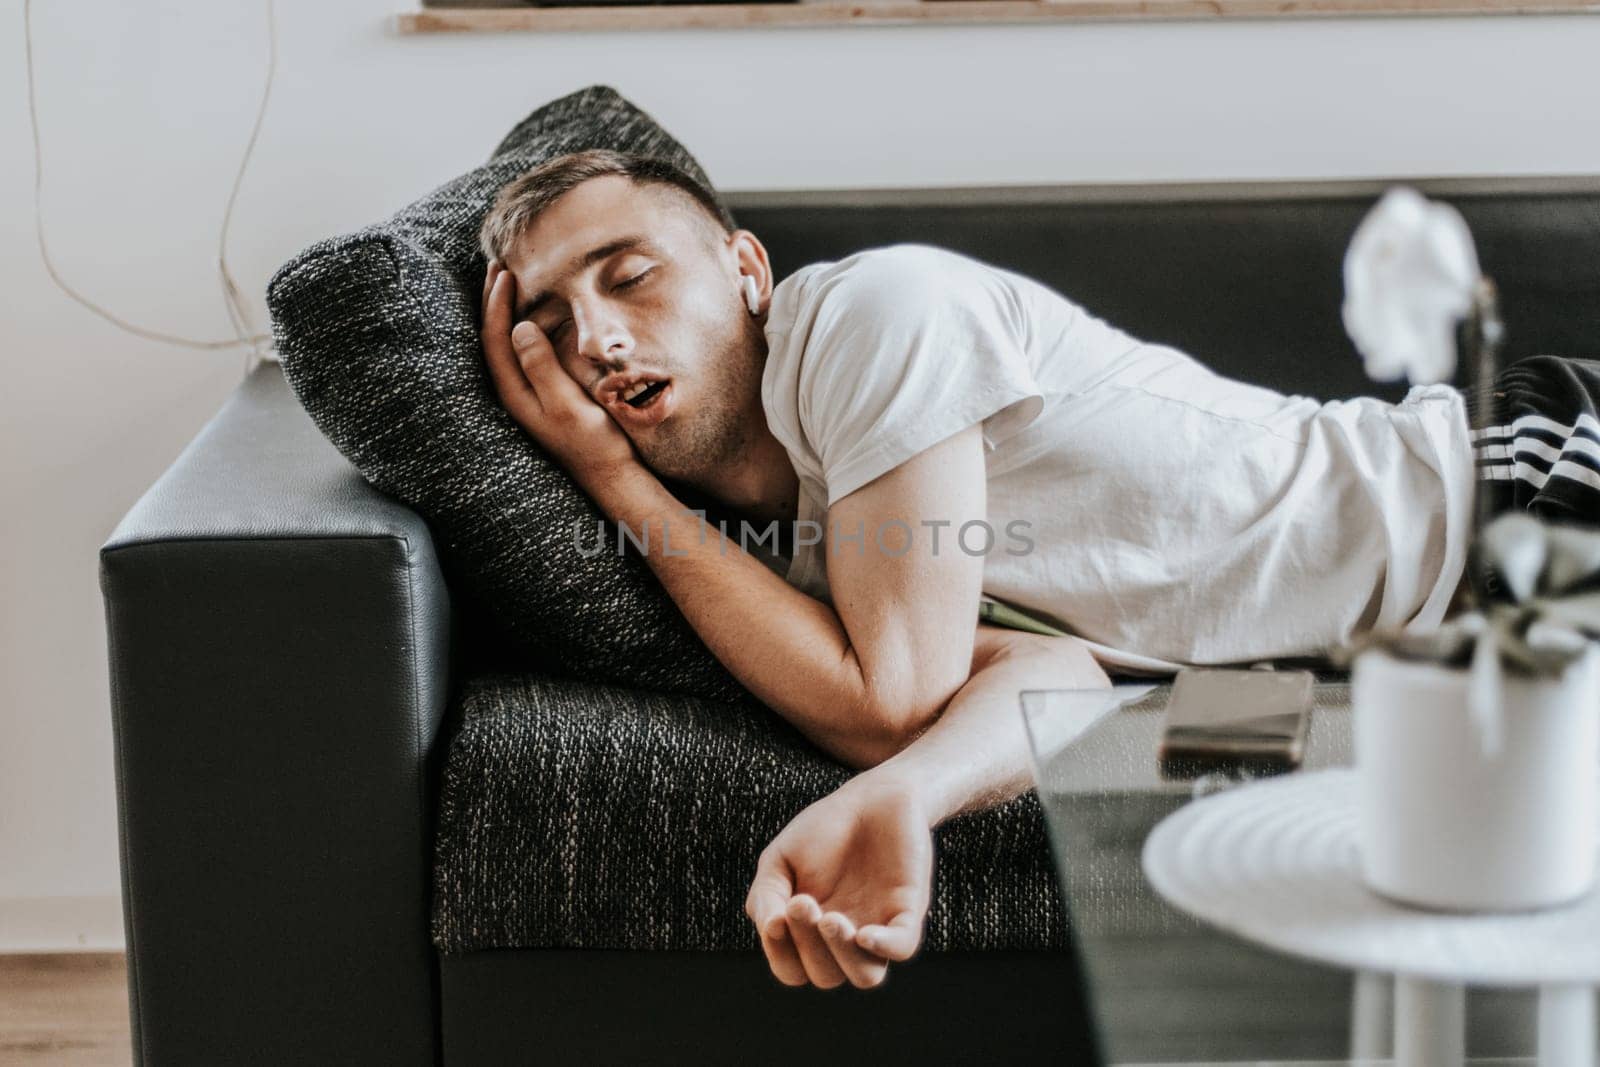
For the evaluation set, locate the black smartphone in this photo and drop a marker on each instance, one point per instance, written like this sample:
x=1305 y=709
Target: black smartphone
x=1222 y=719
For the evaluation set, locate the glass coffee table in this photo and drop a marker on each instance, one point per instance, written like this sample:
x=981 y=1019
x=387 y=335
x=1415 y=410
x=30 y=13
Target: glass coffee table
x=1162 y=987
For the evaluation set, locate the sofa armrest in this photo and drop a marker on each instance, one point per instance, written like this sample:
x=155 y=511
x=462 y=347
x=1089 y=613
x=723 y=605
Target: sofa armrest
x=279 y=639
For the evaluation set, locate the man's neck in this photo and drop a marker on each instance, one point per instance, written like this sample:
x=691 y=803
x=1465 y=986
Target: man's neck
x=762 y=484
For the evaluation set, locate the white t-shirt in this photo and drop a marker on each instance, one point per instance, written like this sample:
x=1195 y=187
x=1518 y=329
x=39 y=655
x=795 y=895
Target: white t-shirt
x=1176 y=517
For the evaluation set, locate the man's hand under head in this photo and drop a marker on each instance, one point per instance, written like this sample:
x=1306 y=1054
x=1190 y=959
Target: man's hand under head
x=542 y=397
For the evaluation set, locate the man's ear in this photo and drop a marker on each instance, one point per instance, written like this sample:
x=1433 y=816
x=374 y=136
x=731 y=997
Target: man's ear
x=750 y=257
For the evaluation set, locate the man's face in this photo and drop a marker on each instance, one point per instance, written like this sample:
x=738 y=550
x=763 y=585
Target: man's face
x=640 y=300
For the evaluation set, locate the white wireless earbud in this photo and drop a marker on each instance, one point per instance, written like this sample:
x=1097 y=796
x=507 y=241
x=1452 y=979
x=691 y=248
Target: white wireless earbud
x=752 y=293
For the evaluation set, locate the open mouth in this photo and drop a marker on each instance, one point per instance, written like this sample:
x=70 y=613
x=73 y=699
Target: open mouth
x=641 y=404
x=644 y=394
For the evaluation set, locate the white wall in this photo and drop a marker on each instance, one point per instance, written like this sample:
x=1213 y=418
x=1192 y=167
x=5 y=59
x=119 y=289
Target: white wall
x=145 y=109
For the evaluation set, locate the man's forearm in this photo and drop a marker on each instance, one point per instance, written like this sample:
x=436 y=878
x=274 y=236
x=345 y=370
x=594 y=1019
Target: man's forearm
x=789 y=649
x=976 y=756
x=847 y=885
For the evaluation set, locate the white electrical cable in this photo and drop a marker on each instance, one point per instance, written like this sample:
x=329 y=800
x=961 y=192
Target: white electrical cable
x=238 y=308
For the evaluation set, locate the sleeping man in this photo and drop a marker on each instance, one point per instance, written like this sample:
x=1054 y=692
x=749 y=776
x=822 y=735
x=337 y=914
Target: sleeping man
x=926 y=432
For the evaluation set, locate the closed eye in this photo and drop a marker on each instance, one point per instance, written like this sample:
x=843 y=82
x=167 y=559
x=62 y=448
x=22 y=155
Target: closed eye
x=635 y=280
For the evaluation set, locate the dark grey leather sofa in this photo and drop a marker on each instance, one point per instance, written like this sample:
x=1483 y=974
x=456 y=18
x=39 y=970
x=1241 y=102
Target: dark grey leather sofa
x=288 y=669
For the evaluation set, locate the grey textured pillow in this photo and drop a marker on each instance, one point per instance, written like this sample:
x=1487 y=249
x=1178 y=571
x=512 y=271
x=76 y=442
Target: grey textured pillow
x=378 y=333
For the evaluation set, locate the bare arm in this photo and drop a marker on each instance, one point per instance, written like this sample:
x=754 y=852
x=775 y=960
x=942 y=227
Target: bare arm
x=976 y=755
x=845 y=888
x=864 y=675
x=859 y=678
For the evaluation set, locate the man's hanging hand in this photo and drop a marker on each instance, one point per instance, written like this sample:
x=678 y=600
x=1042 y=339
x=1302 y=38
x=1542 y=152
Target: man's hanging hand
x=843 y=891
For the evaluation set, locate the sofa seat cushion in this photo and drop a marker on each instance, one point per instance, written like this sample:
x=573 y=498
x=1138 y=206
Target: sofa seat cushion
x=582 y=815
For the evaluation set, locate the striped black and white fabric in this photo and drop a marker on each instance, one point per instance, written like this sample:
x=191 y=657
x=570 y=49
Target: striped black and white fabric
x=1540 y=449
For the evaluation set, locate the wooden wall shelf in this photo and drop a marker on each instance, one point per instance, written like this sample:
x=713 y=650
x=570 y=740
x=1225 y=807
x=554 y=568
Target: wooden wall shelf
x=905 y=12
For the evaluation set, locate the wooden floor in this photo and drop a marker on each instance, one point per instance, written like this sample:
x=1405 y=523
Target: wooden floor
x=68 y=1010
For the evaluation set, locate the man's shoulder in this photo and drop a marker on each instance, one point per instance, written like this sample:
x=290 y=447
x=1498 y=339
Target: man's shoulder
x=837 y=327
x=900 y=282
x=898 y=265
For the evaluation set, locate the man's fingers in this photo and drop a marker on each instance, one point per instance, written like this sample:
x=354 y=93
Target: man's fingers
x=532 y=348
x=821 y=967
x=782 y=955
x=765 y=905
x=897 y=940
x=509 y=381
x=537 y=357
x=488 y=281
x=769 y=896
x=497 y=286
x=862 y=968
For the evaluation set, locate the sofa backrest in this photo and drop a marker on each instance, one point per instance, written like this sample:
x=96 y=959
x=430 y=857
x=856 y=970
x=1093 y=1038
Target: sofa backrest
x=1245 y=277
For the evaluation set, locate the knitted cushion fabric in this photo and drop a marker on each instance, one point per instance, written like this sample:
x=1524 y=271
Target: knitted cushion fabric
x=590 y=816
x=378 y=334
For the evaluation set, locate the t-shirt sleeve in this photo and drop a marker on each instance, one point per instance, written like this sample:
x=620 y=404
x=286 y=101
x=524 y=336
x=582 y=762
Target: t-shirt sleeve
x=907 y=346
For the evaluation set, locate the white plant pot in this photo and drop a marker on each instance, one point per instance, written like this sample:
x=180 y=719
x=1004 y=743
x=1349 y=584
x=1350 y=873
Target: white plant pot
x=1445 y=824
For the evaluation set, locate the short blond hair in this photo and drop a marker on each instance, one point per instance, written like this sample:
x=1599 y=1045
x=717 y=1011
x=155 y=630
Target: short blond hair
x=521 y=200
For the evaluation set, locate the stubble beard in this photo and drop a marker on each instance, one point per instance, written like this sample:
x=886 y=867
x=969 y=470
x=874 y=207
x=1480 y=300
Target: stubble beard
x=714 y=436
